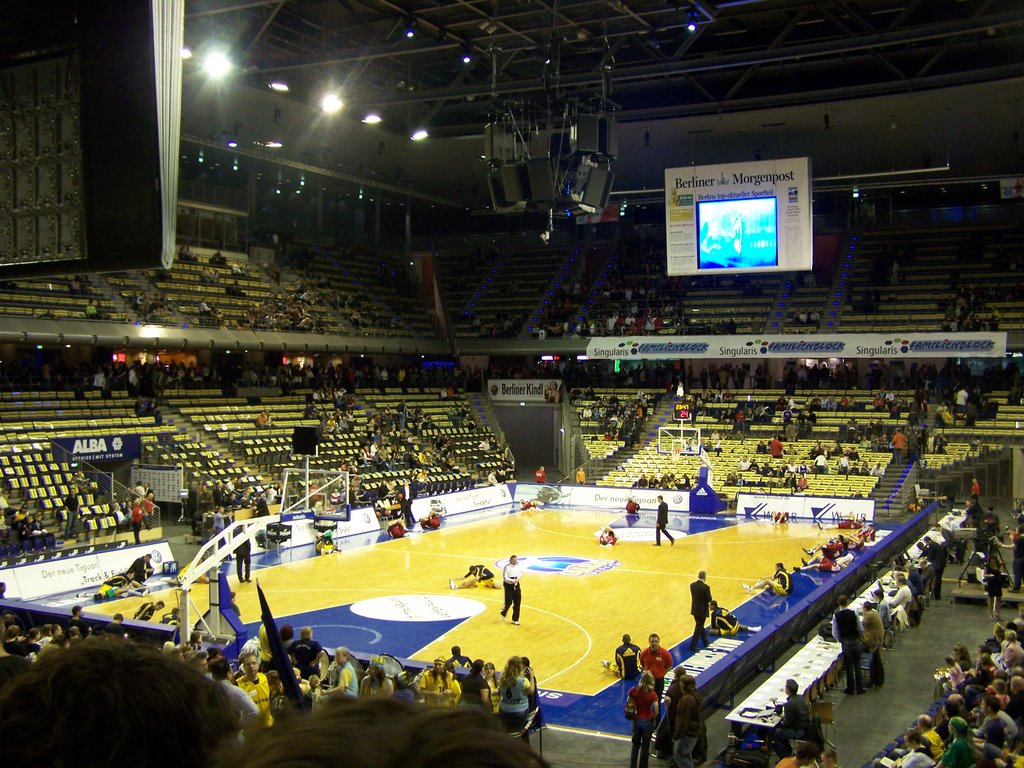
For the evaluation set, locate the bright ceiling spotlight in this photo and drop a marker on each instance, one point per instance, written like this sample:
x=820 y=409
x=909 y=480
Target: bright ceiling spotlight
x=371 y=118
x=419 y=134
x=467 y=54
x=273 y=145
x=278 y=86
x=331 y=103
x=186 y=53
x=216 y=64
x=410 y=27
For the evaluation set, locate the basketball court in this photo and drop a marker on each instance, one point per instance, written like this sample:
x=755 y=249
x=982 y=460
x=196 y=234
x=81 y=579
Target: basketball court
x=393 y=596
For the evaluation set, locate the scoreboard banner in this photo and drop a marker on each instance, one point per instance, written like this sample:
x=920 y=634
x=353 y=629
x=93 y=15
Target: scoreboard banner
x=739 y=217
x=868 y=345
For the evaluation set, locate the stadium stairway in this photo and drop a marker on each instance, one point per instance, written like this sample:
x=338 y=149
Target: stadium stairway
x=660 y=416
x=886 y=491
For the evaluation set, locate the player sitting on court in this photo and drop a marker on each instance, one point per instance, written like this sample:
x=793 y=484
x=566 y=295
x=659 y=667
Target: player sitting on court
x=780 y=583
x=324 y=543
x=780 y=517
x=608 y=537
x=725 y=623
x=431 y=522
x=824 y=562
x=851 y=522
x=478 y=576
x=531 y=504
x=146 y=610
x=632 y=507
x=833 y=548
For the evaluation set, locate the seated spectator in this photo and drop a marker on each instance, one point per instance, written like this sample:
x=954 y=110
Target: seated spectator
x=796 y=721
x=918 y=753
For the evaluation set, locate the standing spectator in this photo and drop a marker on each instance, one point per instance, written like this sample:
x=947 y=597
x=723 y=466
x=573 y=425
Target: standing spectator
x=657 y=661
x=243 y=560
x=514 y=689
x=873 y=635
x=540 y=475
x=255 y=684
x=846 y=629
x=899 y=444
x=343 y=679
x=994 y=587
x=306 y=653
x=975 y=491
x=137 y=519
x=71 y=511
x=475 y=691
x=700 y=601
x=686 y=723
x=646 y=700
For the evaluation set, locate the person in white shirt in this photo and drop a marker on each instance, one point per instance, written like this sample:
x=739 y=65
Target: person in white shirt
x=821 y=464
x=510 y=577
x=903 y=594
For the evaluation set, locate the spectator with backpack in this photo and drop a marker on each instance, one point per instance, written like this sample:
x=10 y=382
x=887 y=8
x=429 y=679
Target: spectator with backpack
x=642 y=704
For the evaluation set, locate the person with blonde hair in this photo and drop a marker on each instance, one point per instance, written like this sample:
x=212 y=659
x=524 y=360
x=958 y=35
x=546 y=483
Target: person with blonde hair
x=514 y=690
x=647 y=708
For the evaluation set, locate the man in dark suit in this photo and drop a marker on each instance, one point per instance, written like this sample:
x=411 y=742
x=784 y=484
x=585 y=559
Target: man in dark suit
x=700 y=600
x=662 y=523
x=243 y=560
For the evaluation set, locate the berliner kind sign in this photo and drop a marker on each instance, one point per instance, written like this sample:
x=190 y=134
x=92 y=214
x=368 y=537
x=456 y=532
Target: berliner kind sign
x=525 y=390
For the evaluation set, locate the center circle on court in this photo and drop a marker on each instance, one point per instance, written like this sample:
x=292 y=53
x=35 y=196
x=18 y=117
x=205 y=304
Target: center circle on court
x=418 y=608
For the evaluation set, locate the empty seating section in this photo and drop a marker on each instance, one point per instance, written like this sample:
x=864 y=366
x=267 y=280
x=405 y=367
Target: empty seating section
x=495 y=296
x=32 y=474
x=366 y=294
x=933 y=267
x=800 y=309
x=56 y=299
x=633 y=296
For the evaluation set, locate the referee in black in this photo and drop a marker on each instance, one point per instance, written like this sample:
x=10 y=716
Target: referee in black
x=513 y=592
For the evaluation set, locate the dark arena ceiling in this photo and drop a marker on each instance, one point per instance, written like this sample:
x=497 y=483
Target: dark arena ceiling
x=636 y=58
x=863 y=86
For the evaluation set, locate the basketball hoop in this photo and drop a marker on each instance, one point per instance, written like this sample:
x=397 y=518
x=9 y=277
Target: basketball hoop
x=677 y=449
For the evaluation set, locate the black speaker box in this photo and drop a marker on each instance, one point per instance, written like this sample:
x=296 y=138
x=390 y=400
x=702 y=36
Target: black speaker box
x=305 y=441
x=585 y=134
x=497 y=190
x=598 y=188
x=542 y=183
x=516 y=179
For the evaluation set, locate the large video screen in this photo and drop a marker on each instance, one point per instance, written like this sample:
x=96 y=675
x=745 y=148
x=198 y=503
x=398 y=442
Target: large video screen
x=737 y=234
x=739 y=217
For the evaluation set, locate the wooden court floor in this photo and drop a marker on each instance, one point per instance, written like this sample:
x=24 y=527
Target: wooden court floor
x=569 y=623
